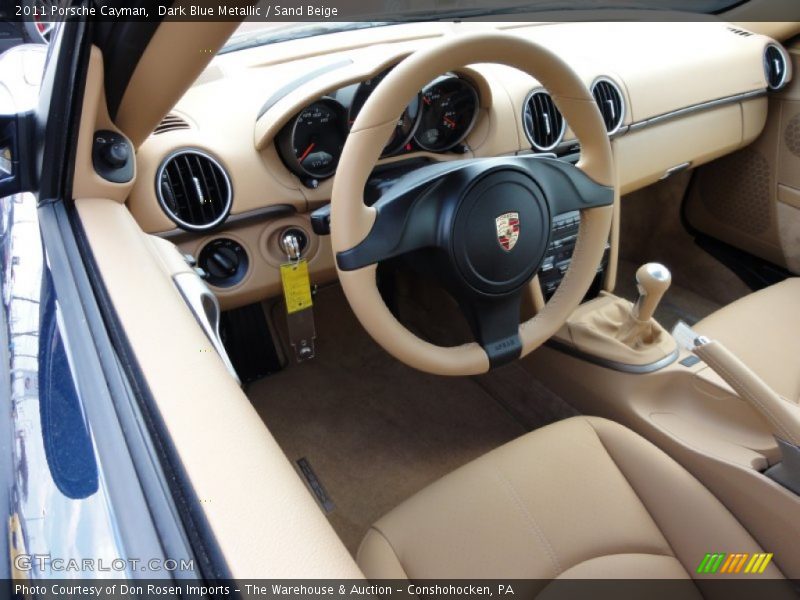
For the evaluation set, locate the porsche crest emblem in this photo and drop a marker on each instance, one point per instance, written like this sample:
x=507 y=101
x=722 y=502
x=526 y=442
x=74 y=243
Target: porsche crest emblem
x=507 y=226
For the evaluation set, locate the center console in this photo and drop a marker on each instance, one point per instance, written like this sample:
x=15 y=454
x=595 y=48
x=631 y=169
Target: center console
x=559 y=255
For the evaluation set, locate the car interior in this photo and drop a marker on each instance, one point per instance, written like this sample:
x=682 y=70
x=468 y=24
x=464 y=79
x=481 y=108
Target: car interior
x=554 y=266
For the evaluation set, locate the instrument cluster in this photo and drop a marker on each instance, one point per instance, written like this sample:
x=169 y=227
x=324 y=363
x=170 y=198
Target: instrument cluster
x=438 y=119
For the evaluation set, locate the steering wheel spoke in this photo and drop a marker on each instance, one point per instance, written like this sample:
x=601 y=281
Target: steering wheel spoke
x=566 y=187
x=408 y=217
x=495 y=325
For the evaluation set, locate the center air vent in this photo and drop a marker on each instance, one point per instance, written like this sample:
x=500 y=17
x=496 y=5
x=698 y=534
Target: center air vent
x=775 y=67
x=609 y=100
x=170 y=123
x=194 y=190
x=544 y=125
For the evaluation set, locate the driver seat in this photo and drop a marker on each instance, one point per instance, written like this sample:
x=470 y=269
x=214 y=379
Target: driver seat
x=581 y=498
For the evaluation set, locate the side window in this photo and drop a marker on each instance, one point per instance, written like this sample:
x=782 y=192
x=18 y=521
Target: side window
x=67 y=442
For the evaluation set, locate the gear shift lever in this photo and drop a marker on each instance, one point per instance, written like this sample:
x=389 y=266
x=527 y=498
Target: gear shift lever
x=653 y=280
x=613 y=330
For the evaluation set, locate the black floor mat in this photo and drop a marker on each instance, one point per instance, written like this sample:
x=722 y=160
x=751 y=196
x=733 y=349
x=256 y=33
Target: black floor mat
x=249 y=343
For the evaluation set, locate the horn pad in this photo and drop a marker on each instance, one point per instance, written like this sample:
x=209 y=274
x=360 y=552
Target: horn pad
x=500 y=232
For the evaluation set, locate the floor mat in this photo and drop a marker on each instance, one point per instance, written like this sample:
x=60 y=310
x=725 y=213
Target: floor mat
x=375 y=431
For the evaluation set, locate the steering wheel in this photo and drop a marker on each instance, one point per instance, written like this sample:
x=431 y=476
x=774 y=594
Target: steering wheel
x=461 y=216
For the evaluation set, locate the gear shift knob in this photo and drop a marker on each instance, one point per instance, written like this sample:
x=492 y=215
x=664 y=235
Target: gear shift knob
x=653 y=280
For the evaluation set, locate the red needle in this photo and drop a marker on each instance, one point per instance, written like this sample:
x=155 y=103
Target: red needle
x=450 y=121
x=306 y=152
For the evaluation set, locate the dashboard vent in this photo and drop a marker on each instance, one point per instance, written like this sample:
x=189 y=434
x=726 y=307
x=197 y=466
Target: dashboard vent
x=543 y=122
x=775 y=67
x=170 y=123
x=194 y=190
x=740 y=32
x=609 y=100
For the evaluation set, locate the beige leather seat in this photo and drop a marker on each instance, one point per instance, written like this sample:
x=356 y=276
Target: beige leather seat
x=763 y=331
x=582 y=498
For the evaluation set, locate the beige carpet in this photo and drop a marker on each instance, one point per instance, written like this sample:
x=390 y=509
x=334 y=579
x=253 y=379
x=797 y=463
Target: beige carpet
x=376 y=431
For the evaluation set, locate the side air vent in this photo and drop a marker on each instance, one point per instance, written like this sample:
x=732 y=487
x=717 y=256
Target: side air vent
x=170 y=123
x=194 y=190
x=543 y=122
x=609 y=100
x=740 y=32
x=775 y=67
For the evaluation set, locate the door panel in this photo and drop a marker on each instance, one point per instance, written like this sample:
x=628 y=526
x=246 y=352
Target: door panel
x=217 y=444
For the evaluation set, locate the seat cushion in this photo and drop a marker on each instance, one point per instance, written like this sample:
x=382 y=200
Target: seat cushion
x=763 y=330
x=583 y=497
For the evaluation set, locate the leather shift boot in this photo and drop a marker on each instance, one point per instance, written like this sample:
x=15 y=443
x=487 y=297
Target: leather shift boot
x=605 y=328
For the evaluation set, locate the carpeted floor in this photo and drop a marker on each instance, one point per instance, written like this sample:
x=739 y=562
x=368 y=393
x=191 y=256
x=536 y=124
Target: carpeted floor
x=376 y=431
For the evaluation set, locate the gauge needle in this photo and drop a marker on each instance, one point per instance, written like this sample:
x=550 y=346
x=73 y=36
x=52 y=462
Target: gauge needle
x=449 y=121
x=306 y=152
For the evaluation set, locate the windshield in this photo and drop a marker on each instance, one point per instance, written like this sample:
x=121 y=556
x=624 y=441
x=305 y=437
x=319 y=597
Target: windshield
x=368 y=14
x=249 y=35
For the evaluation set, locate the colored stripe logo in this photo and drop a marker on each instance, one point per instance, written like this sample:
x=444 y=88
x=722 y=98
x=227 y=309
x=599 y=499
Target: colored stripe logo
x=720 y=562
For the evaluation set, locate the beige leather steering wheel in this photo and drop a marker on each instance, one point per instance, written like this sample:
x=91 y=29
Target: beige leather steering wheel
x=360 y=238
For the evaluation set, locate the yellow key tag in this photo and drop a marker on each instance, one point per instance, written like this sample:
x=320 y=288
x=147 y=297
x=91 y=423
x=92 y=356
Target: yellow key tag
x=296 y=286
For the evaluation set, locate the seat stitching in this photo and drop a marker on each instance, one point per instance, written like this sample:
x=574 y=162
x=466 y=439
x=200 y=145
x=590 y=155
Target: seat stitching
x=709 y=493
x=532 y=523
x=638 y=497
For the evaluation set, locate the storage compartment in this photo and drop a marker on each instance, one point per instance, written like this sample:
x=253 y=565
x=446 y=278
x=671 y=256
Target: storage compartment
x=646 y=155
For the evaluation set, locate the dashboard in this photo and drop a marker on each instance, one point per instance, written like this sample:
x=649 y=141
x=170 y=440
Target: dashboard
x=252 y=148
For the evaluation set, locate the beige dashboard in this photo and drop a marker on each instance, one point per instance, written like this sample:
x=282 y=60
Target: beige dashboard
x=691 y=92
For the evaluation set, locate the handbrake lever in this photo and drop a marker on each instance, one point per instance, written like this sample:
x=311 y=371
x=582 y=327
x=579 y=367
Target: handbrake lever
x=782 y=415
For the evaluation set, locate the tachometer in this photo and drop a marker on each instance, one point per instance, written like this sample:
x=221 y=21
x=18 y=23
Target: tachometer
x=406 y=123
x=312 y=142
x=449 y=110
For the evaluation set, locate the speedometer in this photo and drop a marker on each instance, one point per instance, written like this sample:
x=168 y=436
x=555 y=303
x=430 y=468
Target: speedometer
x=406 y=123
x=449 y=109
x=312 y=142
